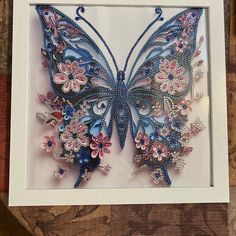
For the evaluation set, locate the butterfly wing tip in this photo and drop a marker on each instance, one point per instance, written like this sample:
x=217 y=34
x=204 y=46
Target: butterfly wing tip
x=39 y=8
x=122 y=145
x=76 y=185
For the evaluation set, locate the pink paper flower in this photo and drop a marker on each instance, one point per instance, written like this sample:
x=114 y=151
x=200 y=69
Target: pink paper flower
x=61 y=47
x=142 y=141
x=196 y=127
x=186 y=137
x=49 y=97
x=184 y=107
x=100 y=145
x=75 y=136
x=159 y=151
x=180 y=46
x=188 y=21
x=48 y=143
x=60 y=172
x=164 y=131
x=51 y=19
x=171 y=76
x=71 y=76
x=85 y=106
x=198 y=74
x=186 y=151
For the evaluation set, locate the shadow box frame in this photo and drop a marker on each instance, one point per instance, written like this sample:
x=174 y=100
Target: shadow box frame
x=19 y=195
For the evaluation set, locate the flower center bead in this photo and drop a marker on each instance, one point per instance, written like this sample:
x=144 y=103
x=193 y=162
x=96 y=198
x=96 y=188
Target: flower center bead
x=157 y=175
x=49 y=143
x=61 y=171
x=184 y=106
x=170 y=77
x=159 y=151
x=181 y=46
x=75 y=136
x=177 y=124
x=101 y=145
x=70 y=77
x=142 y=141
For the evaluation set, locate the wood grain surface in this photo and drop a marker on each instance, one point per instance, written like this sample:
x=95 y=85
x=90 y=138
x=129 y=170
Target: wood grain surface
x=181 y=219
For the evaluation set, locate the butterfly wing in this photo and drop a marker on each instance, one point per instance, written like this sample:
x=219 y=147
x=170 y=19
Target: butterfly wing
x=159 y=83
x=164 y=71
x=78 y=69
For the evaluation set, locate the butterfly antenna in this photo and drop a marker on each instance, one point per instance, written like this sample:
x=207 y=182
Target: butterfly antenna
x=159 y=17
x=79 y=17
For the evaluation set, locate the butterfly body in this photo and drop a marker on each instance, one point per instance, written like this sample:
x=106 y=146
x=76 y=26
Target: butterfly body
x=121 y=109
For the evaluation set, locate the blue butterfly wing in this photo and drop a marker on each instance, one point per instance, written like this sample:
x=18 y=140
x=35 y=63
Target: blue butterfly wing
x=171 y=45
x=73 y=56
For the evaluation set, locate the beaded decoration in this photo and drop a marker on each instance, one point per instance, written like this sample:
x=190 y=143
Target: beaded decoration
x=154 y=100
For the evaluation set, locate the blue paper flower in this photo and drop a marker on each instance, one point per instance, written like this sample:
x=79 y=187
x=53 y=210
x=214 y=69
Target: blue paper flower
x=68 y=112
x=156 y=136
x=177 y=124
x=84 y=160
x=173 y=140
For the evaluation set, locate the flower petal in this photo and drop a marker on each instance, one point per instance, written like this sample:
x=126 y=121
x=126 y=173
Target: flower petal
x=95 y=140
x=106 y=150
x=83 y=141
x=100 y=137
x=82 y=129
x=75 y=87
x=81 y=79
x=44 y=145
x=93 y=146
x=101 y=154
x=49 y=149
x=137 y=139
x=65 y=137
x=69 y=145
x=143 y=147
x=76 y=146
x=60 y=78
x=95 y=153
x=66 y=87
x=74 y=69
x=164 y=87
x=64 y=68
x=108 y=144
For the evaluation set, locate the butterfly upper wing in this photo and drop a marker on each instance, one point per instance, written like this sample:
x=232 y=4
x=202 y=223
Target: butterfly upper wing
x=78 y=69
x=164 y=71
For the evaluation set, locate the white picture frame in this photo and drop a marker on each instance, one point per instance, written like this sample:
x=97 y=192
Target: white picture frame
x=20 y=195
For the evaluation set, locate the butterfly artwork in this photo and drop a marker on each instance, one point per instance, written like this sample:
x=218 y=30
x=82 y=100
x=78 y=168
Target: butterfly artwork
x=153 y=100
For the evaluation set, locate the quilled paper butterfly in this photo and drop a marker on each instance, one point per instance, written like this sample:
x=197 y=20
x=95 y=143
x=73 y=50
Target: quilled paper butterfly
x=153 y=100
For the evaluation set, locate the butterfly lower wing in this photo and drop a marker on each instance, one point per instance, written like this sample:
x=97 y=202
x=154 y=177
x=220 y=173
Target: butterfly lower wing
x=158 y=93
